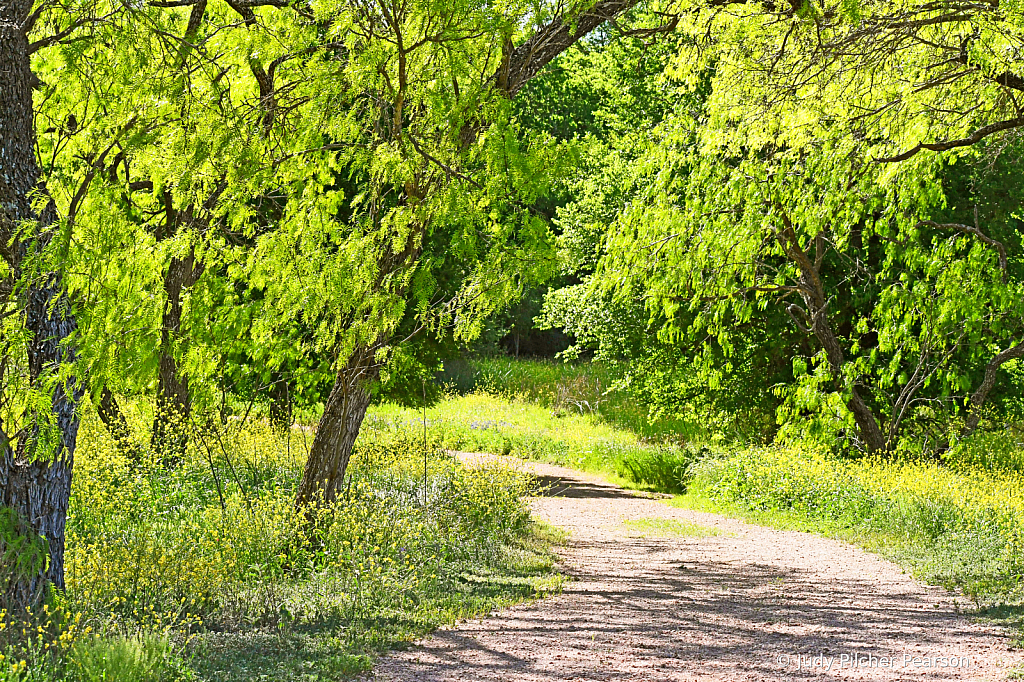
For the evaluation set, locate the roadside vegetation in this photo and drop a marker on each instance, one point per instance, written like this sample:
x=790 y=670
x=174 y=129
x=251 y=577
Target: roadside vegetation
x=206 y=570
x=265 y=263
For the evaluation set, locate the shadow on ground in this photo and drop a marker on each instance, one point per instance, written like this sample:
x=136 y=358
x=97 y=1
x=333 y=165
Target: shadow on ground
x=554 y=486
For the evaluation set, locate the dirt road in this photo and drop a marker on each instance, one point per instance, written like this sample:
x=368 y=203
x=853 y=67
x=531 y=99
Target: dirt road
x=747 y=603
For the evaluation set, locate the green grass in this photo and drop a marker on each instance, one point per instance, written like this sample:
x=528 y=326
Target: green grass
x=210 y=560
x=487 y=422
x=669 y=528
x=582 y=388
x=211 y=555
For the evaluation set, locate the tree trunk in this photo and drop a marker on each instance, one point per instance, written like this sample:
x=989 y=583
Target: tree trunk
x=987 y=384
x=867 y=424
x=35 y=477
x=112 y=417
x=812 y=290
x=336 y=433
x=173 y=397
x=280 y=403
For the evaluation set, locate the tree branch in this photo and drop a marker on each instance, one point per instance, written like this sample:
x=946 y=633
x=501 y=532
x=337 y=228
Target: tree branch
x=525 y=61
x=974 y=138
x=998 y=246
x=60 y=35
x=987 y=383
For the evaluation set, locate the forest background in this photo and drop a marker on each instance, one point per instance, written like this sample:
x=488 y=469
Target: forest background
x=773 y=253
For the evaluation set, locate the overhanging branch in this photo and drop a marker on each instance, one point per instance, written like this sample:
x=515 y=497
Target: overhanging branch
x=976 y=231
x=987 y=384
x=974 y=138
x=525 y=61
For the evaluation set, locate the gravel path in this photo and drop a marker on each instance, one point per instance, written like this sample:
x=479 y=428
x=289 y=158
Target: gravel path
x=748 y=604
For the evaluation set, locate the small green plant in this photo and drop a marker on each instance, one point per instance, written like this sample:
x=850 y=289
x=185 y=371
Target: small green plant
x=666 y=469
x=21 y=551
x=670 y=527
x=146 y=658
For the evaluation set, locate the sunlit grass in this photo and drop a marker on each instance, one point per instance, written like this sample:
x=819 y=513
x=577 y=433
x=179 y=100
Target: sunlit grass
x=483 y=422
x=210 y=556
x=571 y=388
x=654 y=528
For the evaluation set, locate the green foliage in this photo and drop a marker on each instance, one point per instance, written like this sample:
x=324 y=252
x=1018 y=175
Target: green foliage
x=148 y=658
x=212 y=554
x=21 y=552
x=661 y=470
x=318 y=184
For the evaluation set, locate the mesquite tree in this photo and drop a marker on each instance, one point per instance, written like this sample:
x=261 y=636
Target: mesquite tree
x=449 y=187
x=819 y=179
x=380 y=134
x=38 y=418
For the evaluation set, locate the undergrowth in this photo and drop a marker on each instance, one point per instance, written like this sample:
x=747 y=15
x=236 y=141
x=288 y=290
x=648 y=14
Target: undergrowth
x=203 y=569
x=584 y=388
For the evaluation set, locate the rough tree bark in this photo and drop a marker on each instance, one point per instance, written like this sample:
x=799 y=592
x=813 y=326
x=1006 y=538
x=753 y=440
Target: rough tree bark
x=173 y=397
x=336 y=433
x=35 y=475
x=280 y=403
x=812 y=291
x=988 y=382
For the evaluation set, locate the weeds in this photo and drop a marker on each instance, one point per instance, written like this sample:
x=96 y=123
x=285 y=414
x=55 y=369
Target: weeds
x=669 y=528
x=202 y=567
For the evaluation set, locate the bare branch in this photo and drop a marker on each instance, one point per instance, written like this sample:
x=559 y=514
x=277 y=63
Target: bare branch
x=792 y=309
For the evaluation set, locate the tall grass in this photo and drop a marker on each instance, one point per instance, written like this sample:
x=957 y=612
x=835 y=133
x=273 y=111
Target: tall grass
x=210 y=556
x=585 y=388
x=490 y=423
